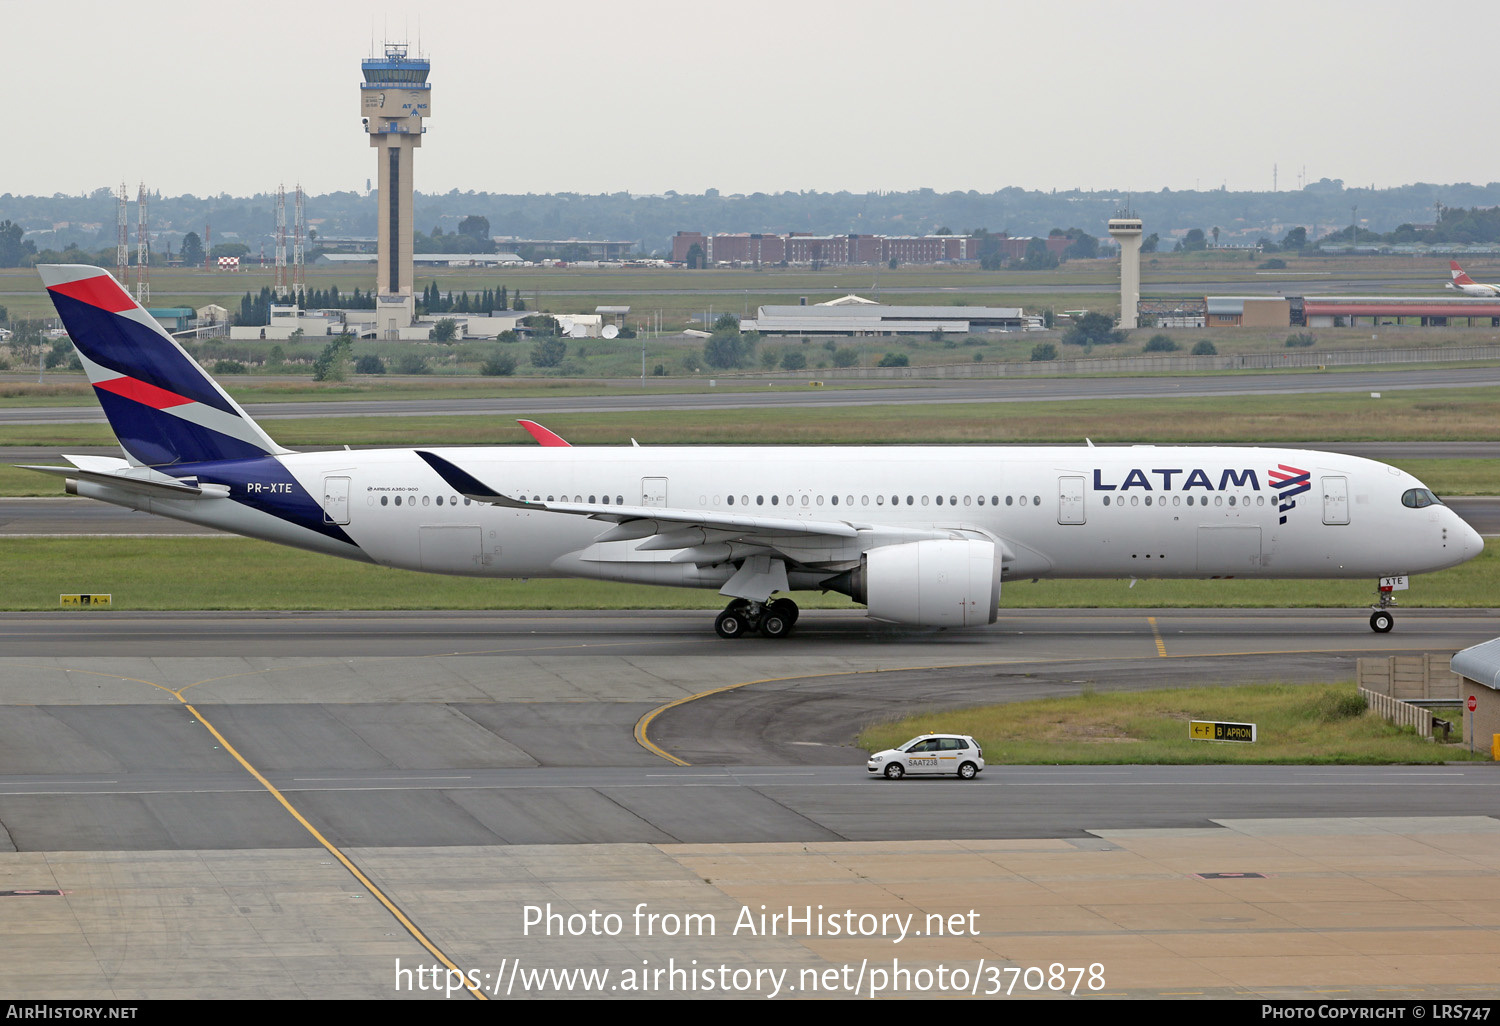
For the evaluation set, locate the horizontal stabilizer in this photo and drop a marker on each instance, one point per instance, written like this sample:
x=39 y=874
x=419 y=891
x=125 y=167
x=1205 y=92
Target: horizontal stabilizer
x=142 y=480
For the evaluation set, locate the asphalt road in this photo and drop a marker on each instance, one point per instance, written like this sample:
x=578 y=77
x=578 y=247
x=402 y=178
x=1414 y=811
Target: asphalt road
x=782 y=395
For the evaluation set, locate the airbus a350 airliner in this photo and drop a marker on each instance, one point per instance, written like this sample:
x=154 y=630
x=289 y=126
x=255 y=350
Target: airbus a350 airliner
x=922 y=535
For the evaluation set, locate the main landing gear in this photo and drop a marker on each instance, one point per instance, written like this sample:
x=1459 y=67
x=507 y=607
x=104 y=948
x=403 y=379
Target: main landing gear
x=774 y=619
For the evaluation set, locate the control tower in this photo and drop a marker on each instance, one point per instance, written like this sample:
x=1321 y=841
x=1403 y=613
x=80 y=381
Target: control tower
x=1126 y=229
x=394 y=99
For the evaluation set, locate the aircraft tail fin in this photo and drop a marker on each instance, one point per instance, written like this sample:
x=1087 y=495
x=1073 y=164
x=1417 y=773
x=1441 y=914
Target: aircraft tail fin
x=1460 y=277
x=162 y=406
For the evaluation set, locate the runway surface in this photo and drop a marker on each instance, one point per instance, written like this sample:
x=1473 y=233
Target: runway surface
x=783 y=395
x=249 y=791
x=519 y=728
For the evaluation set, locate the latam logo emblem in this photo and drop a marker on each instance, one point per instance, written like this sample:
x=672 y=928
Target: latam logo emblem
x=1289 y=482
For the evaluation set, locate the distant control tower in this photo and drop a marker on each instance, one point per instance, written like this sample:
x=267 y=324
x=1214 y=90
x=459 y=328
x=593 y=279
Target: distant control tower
x=393 y=99
x=1126 y=229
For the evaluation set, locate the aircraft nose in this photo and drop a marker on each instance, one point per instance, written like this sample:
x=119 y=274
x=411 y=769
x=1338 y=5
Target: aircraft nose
x=1469 y=541
x=1473 y=542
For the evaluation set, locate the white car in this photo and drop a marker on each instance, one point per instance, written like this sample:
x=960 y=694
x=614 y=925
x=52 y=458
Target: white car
x=958 y=754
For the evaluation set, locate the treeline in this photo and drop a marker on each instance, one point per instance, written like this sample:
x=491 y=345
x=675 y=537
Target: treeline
x=650 y=221
x=436 y=302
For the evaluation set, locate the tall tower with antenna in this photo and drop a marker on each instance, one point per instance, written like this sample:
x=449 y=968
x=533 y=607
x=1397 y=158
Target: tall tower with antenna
x=142 y=253
x=122 y=251
x=1125 y=228
x=394 y=99
x=299 y=267
x=281 y=285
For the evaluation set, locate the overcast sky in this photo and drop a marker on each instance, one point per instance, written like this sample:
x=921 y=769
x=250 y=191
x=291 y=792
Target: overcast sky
x=649 y=95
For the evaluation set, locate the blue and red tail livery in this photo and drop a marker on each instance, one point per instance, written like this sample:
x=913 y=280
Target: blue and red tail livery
x=163 y=407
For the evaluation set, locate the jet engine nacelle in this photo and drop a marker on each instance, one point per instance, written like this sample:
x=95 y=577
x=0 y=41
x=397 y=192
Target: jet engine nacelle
x=930 y=583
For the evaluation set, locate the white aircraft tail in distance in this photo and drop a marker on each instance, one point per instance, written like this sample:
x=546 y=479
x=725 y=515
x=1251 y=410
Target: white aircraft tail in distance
x=921 y=535
x=1460 y=281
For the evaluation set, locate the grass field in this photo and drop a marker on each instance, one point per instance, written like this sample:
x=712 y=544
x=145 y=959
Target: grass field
x=1418 y=415
x=1301 y=724
x=238 y=573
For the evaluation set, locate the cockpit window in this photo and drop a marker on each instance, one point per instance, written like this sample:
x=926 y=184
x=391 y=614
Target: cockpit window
x=1416 y=498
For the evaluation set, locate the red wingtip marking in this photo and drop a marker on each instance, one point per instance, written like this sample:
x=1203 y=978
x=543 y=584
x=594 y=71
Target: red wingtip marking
x=543 y=436
x=100 y=291
x=141 y=392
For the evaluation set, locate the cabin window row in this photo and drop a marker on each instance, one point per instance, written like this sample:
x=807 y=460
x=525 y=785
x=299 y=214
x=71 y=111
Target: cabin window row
x=1177 y=500
x=427 y=500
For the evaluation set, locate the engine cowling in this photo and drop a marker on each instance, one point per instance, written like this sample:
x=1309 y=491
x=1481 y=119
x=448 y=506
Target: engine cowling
x=936 y=583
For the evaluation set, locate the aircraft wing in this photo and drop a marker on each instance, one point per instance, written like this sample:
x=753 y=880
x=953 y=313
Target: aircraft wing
x=673 y=525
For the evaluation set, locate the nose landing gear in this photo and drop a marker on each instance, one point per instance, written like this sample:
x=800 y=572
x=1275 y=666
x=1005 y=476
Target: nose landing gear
x=741 y=617
x=1381 y=620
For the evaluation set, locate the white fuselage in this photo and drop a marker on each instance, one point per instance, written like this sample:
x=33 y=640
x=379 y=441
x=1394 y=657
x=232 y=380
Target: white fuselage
x=1475 y=288
x=1138 y=511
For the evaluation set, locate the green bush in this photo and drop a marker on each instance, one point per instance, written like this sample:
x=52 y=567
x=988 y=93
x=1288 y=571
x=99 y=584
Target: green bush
x=369 y=364
x=845 y=357
x=548 y=352
x=333 y=362
x=727 y=349
x=498 y=365
x=1203 y=347
x=895 y=360
x=1300 y=340
x=793 y=360
x=1043 y=351
x=1093 y=329
x=228 y=367
x=413 y=363
x=1161 y=344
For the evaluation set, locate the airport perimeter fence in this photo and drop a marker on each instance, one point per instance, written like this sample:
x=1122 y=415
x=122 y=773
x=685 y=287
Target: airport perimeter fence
x=1399 y=713
x=1154 y=364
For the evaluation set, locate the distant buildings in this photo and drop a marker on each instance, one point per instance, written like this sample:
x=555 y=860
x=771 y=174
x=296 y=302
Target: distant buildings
x=856 y=316
x=757 y=249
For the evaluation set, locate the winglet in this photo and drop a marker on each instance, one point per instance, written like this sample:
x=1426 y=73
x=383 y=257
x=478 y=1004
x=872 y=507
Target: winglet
x=544 y=437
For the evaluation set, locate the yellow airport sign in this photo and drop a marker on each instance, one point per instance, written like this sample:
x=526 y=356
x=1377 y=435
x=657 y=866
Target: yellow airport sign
x=85 y=600
x=1207 y=730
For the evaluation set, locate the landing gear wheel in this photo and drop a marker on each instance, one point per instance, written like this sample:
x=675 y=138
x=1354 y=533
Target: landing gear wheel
x=773 y=625
x=967 y=771
x=1381 y=622
x=893 y=771
x=731 y=623
x=786 y=609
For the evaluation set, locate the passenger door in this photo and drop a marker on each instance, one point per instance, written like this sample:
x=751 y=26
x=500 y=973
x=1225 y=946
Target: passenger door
x=1335 y=500
x=335 y=500
x=653 y=491
x=923 y=757
x=1070 y=500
